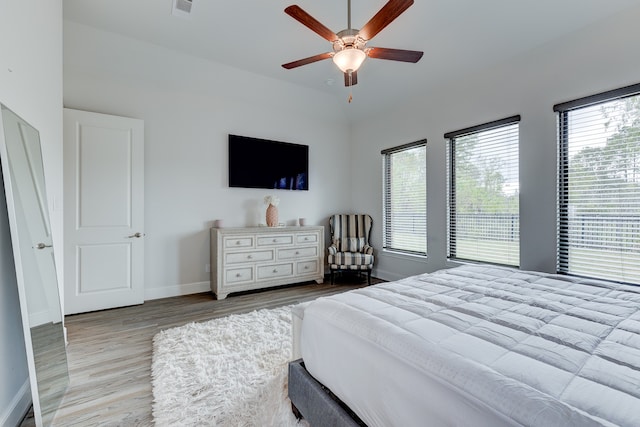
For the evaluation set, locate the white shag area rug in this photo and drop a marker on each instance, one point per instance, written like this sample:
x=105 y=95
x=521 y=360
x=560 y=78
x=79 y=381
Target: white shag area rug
x=230 y=371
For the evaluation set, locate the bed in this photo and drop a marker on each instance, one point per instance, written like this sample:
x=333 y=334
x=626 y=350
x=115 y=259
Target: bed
x=472 y=345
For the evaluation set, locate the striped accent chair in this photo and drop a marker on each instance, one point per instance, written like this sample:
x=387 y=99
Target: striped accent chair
x=350 y=249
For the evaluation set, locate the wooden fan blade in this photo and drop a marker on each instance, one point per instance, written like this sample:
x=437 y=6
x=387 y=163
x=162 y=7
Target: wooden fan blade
x=384 y=17
x=351 y=80
x=310 y=22
x=308 y=60
x=395 y=54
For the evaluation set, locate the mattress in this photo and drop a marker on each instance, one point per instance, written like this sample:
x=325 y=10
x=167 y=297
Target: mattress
x=478 y=345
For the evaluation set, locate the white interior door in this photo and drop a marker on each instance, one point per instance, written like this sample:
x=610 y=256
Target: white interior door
x=103 y=211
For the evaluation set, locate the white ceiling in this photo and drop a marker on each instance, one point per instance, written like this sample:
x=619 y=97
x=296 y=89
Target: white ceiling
x=457 y=36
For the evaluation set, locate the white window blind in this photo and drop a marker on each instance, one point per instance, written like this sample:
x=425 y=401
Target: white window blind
x=599 y=186
x=405 y=198
x=483 y=182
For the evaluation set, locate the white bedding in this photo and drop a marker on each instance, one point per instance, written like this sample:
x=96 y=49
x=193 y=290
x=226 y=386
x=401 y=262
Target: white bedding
x=478 y=345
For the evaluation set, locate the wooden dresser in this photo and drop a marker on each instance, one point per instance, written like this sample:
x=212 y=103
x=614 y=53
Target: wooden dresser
x=262 y=257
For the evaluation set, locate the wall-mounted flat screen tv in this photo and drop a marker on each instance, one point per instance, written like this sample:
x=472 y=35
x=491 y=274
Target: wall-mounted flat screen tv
x=261 y=163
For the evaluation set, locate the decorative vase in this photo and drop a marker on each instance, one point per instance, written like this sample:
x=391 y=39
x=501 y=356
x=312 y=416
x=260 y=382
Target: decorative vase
x=272 y=216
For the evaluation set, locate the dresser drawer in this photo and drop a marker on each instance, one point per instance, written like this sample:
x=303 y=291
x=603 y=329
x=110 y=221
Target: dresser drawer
x=238 y=275
x=298 y=253
x=277 y=240
x=245 y=257
x=274 y=271
x=307 y=238
x=239 y=242
x=307 y=267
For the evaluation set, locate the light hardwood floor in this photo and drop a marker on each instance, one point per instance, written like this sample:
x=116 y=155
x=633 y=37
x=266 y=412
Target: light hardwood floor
x=109 y=352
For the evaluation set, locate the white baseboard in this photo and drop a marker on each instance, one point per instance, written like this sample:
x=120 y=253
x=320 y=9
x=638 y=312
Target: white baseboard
x=177 y=290
x=386 y=275
x=18 y=407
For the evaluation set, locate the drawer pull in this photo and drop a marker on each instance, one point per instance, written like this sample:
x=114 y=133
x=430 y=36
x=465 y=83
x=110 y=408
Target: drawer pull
x=306 y=267
x=249 y=257
x=238 y=275
x=275 y=270
x=238 y=242
x=297 y=252
x=306 y=238
x=275 y=240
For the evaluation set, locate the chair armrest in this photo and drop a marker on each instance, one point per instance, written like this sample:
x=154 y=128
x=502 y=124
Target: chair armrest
x=333 y=249
x=367 y=250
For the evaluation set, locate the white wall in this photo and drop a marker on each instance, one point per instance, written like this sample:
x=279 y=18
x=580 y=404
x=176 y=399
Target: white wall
x=596 y=59
x=189 y=106
x=31 y=85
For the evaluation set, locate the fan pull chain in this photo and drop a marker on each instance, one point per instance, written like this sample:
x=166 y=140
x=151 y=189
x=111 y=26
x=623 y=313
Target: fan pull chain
x=350 y=87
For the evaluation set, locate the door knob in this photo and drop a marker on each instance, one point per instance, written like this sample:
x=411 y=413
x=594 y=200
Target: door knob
x=137 y=236
x=42 y=246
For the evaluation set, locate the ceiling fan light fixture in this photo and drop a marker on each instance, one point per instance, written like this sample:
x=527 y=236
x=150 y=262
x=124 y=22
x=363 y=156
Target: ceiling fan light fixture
x=349 y=59
x=349 y=45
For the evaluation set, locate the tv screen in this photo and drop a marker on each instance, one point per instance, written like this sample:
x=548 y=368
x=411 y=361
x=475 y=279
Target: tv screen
x=260 y=163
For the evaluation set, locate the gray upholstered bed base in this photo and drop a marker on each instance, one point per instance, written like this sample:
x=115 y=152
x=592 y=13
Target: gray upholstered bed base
x=315 y=402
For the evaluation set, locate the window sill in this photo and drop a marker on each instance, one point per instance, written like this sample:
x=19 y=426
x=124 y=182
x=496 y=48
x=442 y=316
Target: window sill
x=403 y=255
x=457 y=263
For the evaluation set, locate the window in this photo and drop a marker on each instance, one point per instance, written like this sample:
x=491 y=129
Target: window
x=405 y=198
x=483 y=182
x=599 y=186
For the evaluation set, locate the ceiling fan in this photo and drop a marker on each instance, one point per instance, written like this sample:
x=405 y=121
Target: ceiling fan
x=349 y=46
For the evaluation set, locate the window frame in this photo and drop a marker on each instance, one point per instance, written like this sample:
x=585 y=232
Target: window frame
x=562 y=192
x=386 y=213
x=451 y=190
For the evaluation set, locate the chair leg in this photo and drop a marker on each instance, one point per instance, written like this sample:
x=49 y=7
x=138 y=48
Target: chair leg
x=369 y=277
x=296 y=412
x=332 y=277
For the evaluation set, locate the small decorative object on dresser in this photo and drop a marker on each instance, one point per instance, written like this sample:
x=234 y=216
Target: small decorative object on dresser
x=272 y=210
x=260 y=257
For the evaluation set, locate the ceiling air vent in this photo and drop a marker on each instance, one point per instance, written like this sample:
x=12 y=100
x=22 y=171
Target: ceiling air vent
x=182 y=8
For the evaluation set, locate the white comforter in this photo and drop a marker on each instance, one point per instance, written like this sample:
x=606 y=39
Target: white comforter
x=479 y=345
